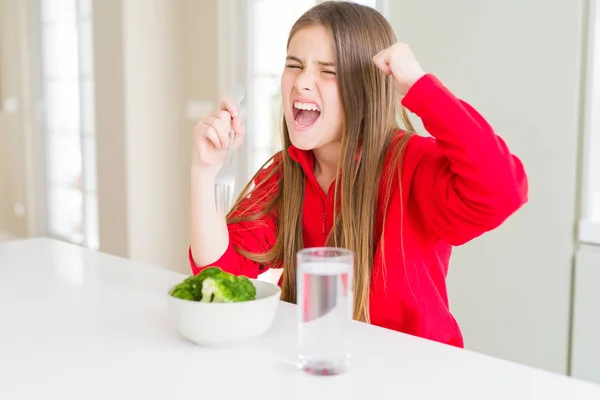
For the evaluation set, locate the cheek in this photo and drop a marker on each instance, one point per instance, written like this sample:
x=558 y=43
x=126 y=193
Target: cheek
x=287 y=83
x=334 y=104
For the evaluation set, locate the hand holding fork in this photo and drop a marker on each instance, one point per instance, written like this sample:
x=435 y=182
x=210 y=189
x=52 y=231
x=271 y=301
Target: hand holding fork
x=215 y=137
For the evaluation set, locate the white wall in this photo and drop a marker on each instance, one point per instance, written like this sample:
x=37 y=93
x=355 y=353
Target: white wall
x=585 y=362
x=110 y=127
x=151 y=57
x=518 y=62
x=154 y=142
x=592 y=191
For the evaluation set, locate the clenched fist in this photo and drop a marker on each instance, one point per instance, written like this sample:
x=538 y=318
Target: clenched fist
x=400 y=62
x=211 y=135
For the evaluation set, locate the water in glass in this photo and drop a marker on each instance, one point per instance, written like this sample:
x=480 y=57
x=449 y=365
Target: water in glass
x=325 y=304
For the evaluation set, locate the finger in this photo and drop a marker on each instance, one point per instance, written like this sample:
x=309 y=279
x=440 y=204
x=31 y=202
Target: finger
x=240 y=131
x=211 y=135
x=221 y=128
x=384 y=67
x=380 y=53
x=238 y=140
x=214 y=113
x=224 y=116
x=220 y=114
x=230 y=105
x=381 y=60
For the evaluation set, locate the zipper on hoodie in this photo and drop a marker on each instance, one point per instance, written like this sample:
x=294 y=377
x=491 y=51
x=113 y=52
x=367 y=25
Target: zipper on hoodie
x=324 y=213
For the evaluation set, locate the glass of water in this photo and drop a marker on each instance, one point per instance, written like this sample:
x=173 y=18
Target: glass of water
x=325 y=297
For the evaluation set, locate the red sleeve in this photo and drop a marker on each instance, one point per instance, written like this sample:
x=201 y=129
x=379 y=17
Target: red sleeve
x=256 y=236
x=467 y=181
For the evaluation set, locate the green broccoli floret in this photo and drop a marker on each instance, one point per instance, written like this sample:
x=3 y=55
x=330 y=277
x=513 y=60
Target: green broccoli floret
x=189 y=289
x=246 y=285
x=222 y=287
x=207 y=273
x=183 y=294
x=215 y=285
x=210 y=272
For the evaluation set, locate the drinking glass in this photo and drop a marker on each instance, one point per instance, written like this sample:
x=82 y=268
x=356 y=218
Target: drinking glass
x=325 y=305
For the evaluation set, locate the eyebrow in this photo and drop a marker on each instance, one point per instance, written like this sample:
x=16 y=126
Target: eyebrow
x=322 y=63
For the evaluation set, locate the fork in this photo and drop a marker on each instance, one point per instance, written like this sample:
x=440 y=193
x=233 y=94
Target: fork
x=225 y=181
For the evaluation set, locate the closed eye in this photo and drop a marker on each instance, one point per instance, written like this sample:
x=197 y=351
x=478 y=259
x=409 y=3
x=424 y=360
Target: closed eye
x=293 y=66
x=329 y=72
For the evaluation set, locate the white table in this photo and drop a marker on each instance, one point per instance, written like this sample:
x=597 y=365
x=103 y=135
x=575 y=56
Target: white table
x=77 y=324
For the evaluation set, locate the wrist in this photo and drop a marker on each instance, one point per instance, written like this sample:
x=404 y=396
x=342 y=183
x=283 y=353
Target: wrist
x=204 y=172
x=416 y=78
x=407 y=84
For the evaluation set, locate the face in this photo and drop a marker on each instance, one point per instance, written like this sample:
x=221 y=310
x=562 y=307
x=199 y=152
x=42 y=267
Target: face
x=309 y=89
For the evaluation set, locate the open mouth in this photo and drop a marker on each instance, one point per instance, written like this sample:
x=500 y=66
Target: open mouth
x=305 y=114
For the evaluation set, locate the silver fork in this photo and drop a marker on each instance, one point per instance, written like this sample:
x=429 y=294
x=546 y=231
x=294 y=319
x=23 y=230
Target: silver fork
x=225 y=181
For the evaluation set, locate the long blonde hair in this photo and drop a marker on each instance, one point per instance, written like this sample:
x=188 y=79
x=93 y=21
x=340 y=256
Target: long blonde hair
x=370 y=104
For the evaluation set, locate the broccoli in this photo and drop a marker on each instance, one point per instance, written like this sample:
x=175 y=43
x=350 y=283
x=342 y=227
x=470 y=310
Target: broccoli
x=184 y=290
x=222 y=287
x=247 y=286
x=215 y=285
x=189 y=289
x=182 y=293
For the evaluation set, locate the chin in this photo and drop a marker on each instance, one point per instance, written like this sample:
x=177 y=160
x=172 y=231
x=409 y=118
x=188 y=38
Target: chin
x=301 y=143
x=303 y=139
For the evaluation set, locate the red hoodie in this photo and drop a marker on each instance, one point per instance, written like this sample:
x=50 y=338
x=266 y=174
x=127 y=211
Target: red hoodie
x=456 y=186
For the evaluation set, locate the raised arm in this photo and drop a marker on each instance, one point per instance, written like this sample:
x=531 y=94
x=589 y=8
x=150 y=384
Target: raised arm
x=467 y=181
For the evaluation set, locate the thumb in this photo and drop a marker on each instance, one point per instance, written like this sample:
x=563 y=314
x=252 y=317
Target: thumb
x=381 y=60
x=229 y=104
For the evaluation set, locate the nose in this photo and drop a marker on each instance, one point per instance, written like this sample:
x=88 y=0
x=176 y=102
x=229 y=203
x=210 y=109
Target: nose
x=305 y=82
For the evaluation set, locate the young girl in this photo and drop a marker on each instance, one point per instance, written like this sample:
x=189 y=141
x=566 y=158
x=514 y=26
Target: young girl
x=349 y=177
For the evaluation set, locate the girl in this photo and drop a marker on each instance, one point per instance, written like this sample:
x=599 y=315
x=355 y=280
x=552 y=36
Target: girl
x=349 y=177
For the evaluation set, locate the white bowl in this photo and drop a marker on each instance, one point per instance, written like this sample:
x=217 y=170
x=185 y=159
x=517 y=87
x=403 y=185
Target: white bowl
x=226 y=324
